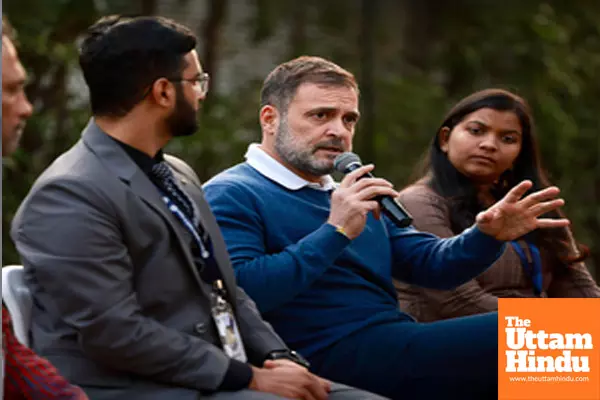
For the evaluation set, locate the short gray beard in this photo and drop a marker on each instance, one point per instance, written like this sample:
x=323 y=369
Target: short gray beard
x=301 y=160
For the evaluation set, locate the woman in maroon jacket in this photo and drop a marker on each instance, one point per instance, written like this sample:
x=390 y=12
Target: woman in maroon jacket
x=484 y=147
x=28 y=376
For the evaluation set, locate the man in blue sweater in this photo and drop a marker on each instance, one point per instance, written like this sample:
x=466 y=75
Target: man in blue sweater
x=318 y=258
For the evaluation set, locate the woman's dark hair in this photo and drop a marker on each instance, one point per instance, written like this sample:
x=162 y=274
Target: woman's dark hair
x=439 y=174
x=121 y=57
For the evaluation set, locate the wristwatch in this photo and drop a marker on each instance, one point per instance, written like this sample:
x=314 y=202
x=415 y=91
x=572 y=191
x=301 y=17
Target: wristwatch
x=289 y=355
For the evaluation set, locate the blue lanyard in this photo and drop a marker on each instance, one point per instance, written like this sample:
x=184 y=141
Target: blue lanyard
x=189 y=226
x=533 y=268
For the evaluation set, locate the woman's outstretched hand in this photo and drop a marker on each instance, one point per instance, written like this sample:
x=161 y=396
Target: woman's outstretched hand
x=513 y=217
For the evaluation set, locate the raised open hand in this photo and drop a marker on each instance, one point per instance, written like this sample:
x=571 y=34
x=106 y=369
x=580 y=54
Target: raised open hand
x=513 y=217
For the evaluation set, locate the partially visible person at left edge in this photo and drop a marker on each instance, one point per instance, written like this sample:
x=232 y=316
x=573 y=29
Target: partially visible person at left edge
x=25 y=374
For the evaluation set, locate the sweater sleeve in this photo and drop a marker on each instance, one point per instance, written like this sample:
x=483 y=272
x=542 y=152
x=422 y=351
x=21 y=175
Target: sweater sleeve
x=426 y=260
x=430 y=214
x=271 y=280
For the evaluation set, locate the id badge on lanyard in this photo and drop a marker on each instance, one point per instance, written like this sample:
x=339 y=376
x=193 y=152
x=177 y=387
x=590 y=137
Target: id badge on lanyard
x=227 y=327
x=221 y=310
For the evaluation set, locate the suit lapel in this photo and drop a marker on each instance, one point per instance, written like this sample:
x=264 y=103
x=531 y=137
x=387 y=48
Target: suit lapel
x=145 y=189
x=210 y=224
x=117 y=160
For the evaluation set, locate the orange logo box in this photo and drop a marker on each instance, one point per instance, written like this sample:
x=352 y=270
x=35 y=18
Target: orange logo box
x=549 y=349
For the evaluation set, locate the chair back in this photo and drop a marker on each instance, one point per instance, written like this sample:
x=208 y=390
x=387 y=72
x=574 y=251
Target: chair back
x=17 y=298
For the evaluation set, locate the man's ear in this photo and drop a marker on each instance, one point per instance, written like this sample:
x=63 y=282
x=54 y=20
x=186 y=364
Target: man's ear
x=163 y=93
x=443 y=138
x=269 y=120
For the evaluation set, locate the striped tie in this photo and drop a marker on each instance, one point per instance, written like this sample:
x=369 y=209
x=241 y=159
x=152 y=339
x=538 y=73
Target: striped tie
x=167 y=182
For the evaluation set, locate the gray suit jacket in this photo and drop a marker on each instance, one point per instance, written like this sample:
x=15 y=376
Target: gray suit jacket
x=118 y=300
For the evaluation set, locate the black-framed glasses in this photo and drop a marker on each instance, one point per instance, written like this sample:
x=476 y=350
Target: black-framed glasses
x=200 y=83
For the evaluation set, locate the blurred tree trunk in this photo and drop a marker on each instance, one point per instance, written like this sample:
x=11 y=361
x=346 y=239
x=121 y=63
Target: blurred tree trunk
x=217 y=10
x=211 y=36
x=297 y=16
x=367 y=81
x=264 y=19
x=60 y=140
x=418 y=32
x=429 y=26
x=148 y=7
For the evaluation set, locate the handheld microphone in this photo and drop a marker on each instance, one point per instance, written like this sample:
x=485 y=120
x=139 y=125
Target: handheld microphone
x=348 y=162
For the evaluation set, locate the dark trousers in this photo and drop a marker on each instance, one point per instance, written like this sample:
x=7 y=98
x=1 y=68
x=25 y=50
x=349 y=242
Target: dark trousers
x=450 y=359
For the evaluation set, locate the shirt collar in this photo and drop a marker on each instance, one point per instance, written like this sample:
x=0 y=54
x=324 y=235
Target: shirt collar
x=142 y=160
x=266 y=165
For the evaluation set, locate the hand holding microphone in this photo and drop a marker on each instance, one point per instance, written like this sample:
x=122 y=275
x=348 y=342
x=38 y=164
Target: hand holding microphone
x=358 y=194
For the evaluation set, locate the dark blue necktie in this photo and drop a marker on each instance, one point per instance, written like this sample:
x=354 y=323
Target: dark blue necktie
x=166 y=180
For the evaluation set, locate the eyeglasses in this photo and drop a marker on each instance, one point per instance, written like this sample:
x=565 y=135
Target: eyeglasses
x=200 y=83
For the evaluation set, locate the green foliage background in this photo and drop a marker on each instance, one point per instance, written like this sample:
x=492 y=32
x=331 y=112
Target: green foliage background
x=413 y=59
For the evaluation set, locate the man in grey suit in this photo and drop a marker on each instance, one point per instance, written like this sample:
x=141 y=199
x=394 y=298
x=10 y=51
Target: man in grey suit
x=134 y=295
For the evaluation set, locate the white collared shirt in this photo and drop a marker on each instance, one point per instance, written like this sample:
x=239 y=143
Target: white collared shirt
x=269 y=167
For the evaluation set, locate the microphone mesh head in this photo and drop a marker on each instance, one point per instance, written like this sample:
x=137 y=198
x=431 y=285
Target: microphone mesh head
x=342 y=161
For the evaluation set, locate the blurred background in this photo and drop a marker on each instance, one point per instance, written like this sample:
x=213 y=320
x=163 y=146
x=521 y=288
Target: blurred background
x=413 y=60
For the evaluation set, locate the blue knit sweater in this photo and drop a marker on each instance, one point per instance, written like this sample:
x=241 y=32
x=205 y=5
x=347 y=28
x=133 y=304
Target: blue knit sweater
x=313 y=284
